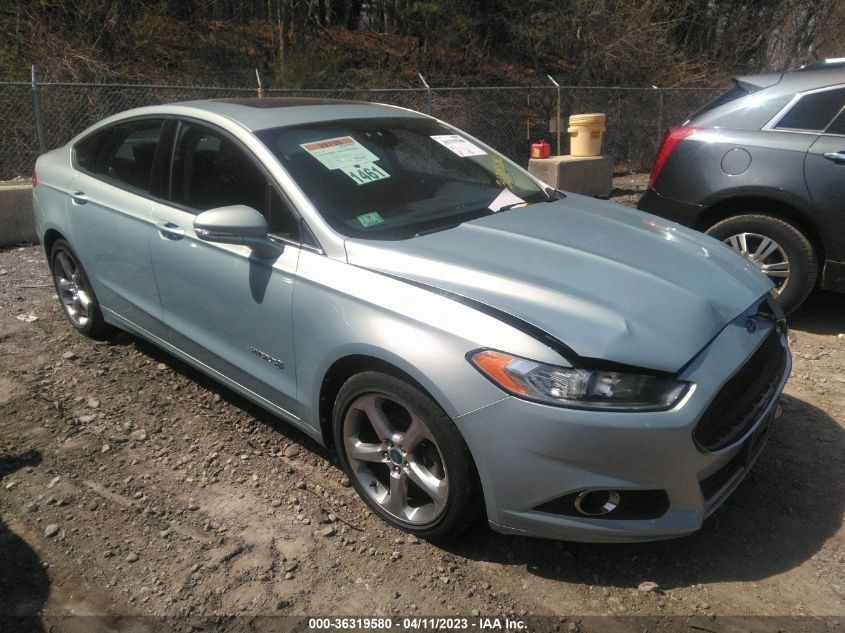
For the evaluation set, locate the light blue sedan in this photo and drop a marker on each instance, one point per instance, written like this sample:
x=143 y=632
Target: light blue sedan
x=469 y=340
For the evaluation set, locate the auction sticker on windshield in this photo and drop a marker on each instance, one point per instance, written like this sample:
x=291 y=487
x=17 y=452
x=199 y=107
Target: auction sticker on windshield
x=340 y=153
x=364 y=173
x=458 y=144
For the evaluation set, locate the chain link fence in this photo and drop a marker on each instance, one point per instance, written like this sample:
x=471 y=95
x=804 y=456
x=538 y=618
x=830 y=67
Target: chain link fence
x=507 y=118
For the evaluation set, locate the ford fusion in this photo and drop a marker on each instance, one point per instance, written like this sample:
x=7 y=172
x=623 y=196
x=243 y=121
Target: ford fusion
x=470 y=341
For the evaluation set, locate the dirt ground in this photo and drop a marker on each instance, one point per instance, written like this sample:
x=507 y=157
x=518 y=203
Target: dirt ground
x=132 y=485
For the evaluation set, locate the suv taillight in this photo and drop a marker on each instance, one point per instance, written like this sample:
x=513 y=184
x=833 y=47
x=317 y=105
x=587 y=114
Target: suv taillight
x=34 y=178
x=672 y=138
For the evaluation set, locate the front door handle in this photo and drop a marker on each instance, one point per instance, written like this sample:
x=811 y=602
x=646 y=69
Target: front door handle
x=78 y=197
x=171 y=231
x=836 y=157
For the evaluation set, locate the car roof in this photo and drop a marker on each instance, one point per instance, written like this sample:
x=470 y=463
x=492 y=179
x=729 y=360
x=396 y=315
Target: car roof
x=268 y=112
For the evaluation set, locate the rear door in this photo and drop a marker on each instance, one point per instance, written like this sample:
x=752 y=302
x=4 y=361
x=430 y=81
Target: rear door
x=110 y=212
x=223 y=305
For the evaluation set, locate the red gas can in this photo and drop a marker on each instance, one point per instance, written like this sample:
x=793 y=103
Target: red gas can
x=540 y=150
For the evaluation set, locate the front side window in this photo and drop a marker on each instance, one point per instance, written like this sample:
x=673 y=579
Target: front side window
x=814 y=111
x=209 y=170
x=126 y=155
x=394 y=178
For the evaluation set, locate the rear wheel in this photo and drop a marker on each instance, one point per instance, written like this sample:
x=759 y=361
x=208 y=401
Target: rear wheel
x=778 y=249
x=75 y=293
x=405 y=457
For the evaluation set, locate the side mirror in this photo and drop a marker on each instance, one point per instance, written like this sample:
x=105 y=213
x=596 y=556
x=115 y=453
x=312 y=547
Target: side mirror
x=237 y=224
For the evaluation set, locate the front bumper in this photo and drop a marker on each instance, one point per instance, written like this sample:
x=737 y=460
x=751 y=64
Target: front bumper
x=529 y=454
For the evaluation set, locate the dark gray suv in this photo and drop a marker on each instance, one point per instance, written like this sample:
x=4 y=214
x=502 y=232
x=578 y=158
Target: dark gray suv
x=762 y=168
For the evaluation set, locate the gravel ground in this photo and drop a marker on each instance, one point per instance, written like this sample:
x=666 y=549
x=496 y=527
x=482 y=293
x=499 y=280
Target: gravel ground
x=132 y=485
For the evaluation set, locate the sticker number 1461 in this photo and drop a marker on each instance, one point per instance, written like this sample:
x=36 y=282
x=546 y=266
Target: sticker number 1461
x=362 y=174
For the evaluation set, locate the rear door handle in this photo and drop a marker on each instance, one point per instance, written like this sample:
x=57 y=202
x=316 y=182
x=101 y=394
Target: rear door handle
x=170 y=230
x=78 y=197
x=836 y=157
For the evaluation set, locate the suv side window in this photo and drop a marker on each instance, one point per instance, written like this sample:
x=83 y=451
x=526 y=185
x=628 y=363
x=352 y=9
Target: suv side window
x=126 y=155
x=814 y=111
x=208 y=171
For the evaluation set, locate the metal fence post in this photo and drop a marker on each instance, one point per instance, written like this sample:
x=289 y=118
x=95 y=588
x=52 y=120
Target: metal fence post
x=260 y=87
x=39 y=116
x=428 y=91
x=557 y=121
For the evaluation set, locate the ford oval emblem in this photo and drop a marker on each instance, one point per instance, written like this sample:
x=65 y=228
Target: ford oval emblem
x=751 y=325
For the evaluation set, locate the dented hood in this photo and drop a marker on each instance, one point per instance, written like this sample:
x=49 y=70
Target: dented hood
x=610 y=282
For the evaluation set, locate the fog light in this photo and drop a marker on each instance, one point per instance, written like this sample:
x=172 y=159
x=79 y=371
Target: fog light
x=597 y=502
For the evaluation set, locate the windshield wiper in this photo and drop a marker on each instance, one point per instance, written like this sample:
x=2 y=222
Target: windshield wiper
x=512 y=205
x=436 y=229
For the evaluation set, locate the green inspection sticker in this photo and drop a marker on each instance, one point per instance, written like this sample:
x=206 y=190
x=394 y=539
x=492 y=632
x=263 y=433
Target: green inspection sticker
x=370 y=219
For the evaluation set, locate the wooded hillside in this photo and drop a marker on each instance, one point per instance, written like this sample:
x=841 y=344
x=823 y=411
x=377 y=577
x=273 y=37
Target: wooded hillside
x=316 y=43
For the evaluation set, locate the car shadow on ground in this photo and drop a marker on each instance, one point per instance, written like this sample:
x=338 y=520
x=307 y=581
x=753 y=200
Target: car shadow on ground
x=789 y=505
x=227 y=395
x=822 y=313
x=24 y=584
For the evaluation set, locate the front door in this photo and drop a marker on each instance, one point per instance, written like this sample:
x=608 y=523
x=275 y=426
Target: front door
x=223 y=305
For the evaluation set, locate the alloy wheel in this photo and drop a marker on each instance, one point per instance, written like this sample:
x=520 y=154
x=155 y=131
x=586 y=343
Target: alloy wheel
x=395 y=458
x=70 y=283
x=765 y=253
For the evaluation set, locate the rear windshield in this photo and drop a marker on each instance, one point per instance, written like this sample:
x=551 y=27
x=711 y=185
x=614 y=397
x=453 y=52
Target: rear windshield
x=735 y=92
x=394 y=178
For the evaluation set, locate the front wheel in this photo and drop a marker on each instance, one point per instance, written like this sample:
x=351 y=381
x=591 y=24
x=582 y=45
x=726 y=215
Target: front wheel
x=405 y=457
x=778 y=249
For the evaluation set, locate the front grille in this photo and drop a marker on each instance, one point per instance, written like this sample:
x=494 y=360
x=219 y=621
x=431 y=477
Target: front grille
x=743 y=398
x=713 y=484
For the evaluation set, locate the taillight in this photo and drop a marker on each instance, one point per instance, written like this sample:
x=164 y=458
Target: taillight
x=34 y=178
x=672 y=138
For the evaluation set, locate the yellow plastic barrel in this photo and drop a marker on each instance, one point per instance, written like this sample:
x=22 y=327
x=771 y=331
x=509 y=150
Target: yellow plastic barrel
x=585 y=134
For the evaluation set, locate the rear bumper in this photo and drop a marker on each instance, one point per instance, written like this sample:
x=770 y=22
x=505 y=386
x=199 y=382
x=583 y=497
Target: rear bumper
x=685 y=213
x=531 y=454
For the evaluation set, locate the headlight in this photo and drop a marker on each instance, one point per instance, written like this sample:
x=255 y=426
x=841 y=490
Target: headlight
x=580 y=388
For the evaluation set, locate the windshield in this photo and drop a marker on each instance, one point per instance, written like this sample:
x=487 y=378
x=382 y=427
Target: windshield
x=394 y=178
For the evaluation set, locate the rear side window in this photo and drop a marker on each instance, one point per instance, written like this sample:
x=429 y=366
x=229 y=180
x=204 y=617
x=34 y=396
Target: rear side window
x=126 y=156
x=85 y=151
x=814 y=111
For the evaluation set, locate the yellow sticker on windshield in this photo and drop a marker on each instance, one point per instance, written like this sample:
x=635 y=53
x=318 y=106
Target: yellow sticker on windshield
x=502 y=176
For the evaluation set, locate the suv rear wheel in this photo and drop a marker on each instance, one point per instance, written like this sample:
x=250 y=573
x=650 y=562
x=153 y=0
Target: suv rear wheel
x=778 y=249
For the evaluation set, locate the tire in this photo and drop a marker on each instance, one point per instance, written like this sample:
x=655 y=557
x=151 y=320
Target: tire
x=800 y=258
x=420 y=479
x=73 y=288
